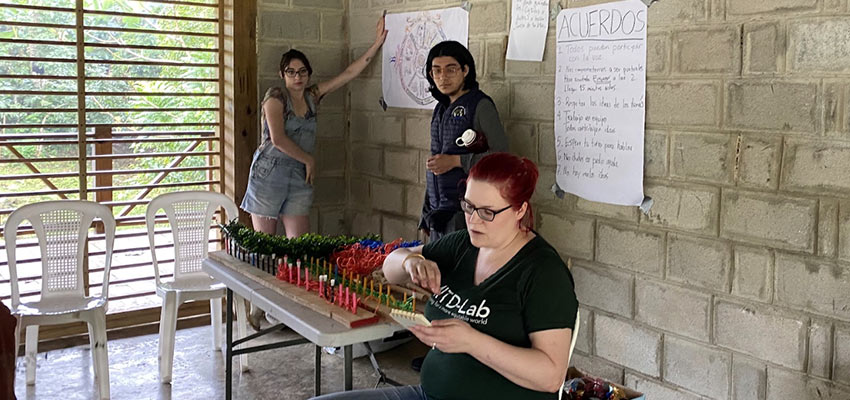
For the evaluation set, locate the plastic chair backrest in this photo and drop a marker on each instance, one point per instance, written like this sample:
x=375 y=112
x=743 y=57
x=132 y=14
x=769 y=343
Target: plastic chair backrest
x=189 y=214
x=61 y=227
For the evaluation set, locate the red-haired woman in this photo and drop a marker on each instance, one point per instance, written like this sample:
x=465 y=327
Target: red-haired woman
x=503 y=307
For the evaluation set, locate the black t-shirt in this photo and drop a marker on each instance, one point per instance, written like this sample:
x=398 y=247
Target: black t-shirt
x=533 y=291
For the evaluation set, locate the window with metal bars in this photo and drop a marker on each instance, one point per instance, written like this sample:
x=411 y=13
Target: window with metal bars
x=114 y=101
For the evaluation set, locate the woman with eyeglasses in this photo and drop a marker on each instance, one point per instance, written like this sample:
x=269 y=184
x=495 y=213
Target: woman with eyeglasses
x=504 y=303
x=461 y=105
x=283 y=168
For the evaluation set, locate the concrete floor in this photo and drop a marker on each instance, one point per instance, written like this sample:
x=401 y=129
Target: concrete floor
x=199 y=372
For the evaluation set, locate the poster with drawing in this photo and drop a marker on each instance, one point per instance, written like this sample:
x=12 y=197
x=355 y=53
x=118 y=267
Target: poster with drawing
x=600 y=87
x=410 y=37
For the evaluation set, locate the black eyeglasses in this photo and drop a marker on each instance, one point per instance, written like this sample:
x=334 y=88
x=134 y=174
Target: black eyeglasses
x=290 y=72
x=484 y=213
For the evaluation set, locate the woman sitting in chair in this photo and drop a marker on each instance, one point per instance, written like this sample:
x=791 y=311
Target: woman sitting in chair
x=504 y=304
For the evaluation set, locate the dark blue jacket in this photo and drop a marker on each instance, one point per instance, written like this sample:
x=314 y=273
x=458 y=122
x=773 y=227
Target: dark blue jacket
x=442 y=199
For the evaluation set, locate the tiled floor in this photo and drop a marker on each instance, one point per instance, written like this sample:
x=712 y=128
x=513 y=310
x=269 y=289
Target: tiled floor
x=199 y=372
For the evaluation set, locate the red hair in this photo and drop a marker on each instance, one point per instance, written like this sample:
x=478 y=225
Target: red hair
x=515 y=178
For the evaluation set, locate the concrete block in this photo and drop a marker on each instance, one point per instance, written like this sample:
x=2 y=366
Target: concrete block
x=820 y=348
x=543 y=194
x=333 y=27
x=628 y=344
x=522 y=140
x=696 y=367
x=593 y=280
x=695 y=103
x=394 y=228
x=782 y=384
x=402 y=164
x=361 y=26
x=549 y=56
x=331 y=4
x=672 y=308
x=584 y=341
x=846 y=126
x=268 y=60
x=414 y=197
x=386 y=129
x=655 y=153
x=358 y=130
x=715 y=50
x=385 y=3
x=359 y=191
x=744 y=329
x=819 y=45
x=782 y=222
x=326 y=190
x=700 y=262
x=754 y=274
x=678 y=12
x=330 y=156
x=332 y=222
x=764 y=48
x=773 y=105
x=692 y=208
x=367 y=160
x=821 y=287
x=572 y=236
x=701 y=156
x=365 y=94
x=625 y=213
x=656 y=390
x=639 y=251
x=365 y=223
x=842 y=355
x=495 y=64
x=417 y=132
x=598 y=367
x=832 y=108
x=387 y=196
x=758 y=161
x=546 y=144
x=844 y=230
x=745 y=8
x=816 y=166
x=500 y=92
x=834 y=5
x=373 y=70
x=331 y=125
x=657 y=53
x=532 y=100
x=828 y=228
x=297 y=25
x=491 y=17
x=324 y=60
x=333 y=101
x=477 y=48
x=749 y=379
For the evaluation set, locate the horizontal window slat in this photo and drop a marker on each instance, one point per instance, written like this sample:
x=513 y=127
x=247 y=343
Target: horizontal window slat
x=151 y=170
x=153 y=140
x=37 y=24
x=181 y=3
x=123 y=62
x=37 y=159
x=39 y=8
x=151 y=155
x=38 y=59
x=148 y=78
x=143 y=47
x=38 y=176
x=35 y=41
x=149 y=16
x=153 y=186
x=152 y=31
x=155 y=94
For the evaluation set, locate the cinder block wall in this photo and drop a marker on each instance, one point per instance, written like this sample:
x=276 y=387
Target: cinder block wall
x=737 y=284
x=317 y=28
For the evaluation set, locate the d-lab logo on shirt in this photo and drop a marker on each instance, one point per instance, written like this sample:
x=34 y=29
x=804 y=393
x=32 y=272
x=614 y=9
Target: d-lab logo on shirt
x=453 y=304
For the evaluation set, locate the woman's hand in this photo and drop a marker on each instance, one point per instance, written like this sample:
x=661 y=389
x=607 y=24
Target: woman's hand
x=310 y=165
x=448 y=335
x=380 y=31
x=424 y=273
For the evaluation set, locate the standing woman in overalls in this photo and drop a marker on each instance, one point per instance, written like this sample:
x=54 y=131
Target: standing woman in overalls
x=282 y=171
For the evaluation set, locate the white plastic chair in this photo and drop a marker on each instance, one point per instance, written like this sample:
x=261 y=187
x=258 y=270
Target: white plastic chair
x=62 y=230
x=189 y=215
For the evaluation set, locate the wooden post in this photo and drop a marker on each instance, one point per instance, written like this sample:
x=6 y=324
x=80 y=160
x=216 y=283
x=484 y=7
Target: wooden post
x=238 y=85
x=102 y=164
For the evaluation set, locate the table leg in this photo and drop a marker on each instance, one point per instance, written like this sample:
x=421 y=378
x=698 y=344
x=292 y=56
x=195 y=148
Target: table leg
x=228 y=356
x=318 y=390
x=348 y=357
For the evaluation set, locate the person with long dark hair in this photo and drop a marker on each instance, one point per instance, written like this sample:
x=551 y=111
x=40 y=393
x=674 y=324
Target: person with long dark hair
x=461 y=105
x=503 y=305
